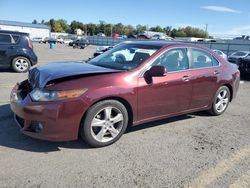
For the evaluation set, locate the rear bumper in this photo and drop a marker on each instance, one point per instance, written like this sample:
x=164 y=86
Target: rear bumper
x=33 y=59
x=60 y=121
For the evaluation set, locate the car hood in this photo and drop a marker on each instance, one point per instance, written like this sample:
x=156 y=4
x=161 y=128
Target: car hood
x=40 y=76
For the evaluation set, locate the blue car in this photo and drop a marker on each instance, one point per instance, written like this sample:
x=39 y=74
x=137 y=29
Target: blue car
x=16 y=51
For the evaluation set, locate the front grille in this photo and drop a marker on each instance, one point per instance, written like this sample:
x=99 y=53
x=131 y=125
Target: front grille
x=20 y=121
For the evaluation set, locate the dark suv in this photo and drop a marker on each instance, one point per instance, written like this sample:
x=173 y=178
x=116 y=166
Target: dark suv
x=80 y=43
x=16 y=51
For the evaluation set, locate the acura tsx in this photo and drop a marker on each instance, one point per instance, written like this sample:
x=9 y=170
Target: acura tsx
x=133 y=83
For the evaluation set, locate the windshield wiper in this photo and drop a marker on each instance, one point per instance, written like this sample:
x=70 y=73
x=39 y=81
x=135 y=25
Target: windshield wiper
x=110 y=67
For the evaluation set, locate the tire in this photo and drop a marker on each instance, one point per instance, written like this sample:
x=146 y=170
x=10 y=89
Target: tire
x=21 y=64
x=221 y=101
x=104 y=123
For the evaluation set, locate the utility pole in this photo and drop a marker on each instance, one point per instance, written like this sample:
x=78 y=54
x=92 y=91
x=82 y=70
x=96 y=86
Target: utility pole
x=86 y=30
x=111 y=30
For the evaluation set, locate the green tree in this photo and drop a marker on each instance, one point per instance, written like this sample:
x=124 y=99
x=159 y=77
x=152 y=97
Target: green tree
x=118 y=28
x=101 y=26
x=57 y=27
x=157 y=29
x=168 y=30
x=34 y=21
x=92 y=29
x=76 y=25
x=64 y=25
x=141 y=28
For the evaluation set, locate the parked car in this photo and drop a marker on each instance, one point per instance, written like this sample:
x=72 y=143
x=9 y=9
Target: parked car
x=131 y=36
x=67 y=41
x=143 y=36
x=220 y=53
x=101 y=49
x=99 y=99
x=115 y=35
x=101 y=35
x=161 y=37
x=49 y=40
x=237 y=56
x=16 y=51
x=60 y=40
x=244 y=66
x=123 y=37
x=37 y=39
x=80 y=43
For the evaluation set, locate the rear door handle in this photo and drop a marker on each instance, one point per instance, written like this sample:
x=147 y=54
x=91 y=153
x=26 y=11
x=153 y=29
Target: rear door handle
x=11 y=47
x=186 y=78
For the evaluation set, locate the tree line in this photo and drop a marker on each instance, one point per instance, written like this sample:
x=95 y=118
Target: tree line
x=61 y=25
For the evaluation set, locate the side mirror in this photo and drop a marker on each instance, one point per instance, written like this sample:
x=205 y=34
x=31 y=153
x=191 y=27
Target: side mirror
x=157 y=71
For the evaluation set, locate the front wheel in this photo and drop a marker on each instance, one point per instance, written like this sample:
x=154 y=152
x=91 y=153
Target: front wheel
x=104 y=123
x=221 y=101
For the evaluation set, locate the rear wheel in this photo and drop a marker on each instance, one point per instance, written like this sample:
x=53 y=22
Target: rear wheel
x=21 y=64
x=104 y=123
x=221 y=101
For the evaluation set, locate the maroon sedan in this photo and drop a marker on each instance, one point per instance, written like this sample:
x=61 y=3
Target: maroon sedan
x=133 y=83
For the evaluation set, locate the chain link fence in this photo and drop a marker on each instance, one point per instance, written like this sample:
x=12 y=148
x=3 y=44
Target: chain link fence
x=228 y=47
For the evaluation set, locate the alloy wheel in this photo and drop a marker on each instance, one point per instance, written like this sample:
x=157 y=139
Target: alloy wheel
x=21 y=64
x=222 y=101
x=107 y=124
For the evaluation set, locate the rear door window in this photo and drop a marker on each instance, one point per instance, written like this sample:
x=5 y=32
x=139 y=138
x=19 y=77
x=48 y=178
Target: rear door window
x=4 y=38
x=16 y=38
x=201 y=59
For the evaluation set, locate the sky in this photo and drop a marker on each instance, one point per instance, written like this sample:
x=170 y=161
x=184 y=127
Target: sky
x=223 y=17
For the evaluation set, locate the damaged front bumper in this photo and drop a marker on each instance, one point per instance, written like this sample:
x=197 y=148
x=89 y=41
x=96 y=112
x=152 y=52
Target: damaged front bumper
x=54 y=121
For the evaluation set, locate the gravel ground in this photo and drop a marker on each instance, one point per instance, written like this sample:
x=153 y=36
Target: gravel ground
x=194 y=150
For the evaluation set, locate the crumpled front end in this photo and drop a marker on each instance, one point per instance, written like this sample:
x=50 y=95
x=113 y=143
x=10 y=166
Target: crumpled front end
x=54 y=121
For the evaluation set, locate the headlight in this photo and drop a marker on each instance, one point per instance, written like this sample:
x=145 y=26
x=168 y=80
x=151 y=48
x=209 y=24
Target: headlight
x=41 y=95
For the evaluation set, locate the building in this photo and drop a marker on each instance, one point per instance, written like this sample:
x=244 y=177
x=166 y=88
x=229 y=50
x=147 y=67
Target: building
x=79 y=32
x=34 y=30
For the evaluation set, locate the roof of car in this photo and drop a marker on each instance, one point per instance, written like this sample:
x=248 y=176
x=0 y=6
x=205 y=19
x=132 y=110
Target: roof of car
x=159 y=43
x=13 y=32
x=23 y=24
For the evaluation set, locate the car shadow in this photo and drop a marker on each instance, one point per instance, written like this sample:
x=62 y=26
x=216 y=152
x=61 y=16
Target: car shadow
x=11 y=137
x=6 y=70
x=158 y=122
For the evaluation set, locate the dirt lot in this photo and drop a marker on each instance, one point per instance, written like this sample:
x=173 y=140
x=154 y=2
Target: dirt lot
x=194 y=150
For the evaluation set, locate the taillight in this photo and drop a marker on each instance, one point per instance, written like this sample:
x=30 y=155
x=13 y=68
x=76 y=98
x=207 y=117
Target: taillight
x=29 y=43
x=238 y=73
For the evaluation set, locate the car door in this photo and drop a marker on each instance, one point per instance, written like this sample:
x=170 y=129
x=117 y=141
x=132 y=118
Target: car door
x=204 y=71
x=168 y=94
x=5 y=48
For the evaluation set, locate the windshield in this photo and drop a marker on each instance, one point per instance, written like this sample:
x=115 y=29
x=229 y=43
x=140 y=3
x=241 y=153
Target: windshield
x=240 y=53
x=125 y=56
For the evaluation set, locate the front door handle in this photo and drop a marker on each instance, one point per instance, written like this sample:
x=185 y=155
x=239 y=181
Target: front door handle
x=216 y=72
x=186 y=78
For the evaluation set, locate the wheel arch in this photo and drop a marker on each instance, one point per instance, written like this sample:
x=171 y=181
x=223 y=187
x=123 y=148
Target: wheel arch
x=121 y=100
x=230 y=89
x=20 y=55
